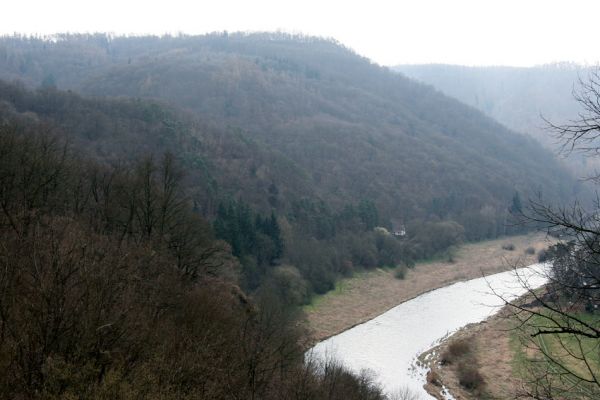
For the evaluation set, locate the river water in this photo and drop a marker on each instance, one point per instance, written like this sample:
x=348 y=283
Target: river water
x=388 y=345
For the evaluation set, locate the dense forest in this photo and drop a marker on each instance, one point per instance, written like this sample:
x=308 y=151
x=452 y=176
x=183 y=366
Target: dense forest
x=113 y=287
x=185 y=194
x=294 y=130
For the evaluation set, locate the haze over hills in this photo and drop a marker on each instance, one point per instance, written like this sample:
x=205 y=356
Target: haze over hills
x=518 y=97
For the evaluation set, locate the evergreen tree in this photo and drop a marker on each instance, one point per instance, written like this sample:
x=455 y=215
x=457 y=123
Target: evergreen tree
x=368 y=214
x=274 y=232
x=249 y=234
x=516 y=207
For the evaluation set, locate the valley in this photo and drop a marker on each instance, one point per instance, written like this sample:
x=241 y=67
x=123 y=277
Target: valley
x=183 y=215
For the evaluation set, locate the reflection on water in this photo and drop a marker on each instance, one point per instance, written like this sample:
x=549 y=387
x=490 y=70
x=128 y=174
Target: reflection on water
x=389 y=344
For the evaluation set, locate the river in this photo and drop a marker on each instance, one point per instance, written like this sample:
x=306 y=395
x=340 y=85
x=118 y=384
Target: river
x=388 y=345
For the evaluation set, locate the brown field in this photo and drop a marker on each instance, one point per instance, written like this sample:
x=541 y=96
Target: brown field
x=366 y=295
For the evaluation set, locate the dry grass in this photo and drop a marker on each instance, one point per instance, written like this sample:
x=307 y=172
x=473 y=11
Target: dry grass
x=490 y=345
x=367 y=295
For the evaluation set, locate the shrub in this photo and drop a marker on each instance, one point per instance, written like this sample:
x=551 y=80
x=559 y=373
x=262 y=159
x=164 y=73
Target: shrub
x=433 y=238
x=289 y=284
x=400 y=272
x=450 y=254
x=508 y=246
x=456 y=350
x=530 y=250
x=434 y=378
x=469 y=376
x=389 y=249
x=543 y=255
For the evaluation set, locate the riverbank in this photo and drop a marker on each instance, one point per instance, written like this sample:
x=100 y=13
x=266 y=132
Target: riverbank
x=498 y=357
x=369 y=294
x=488 y=348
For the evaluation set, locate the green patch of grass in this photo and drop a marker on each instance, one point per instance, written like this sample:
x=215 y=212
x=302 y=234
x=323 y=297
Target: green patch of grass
x=564 y=348
x=560 y=345
x=316 y=300
x=519 y=357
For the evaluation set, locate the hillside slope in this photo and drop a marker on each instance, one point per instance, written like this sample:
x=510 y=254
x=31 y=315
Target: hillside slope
x=358 y=130
x=219 y=162
x=114 y=288
x=327 y=143
x=517 y=97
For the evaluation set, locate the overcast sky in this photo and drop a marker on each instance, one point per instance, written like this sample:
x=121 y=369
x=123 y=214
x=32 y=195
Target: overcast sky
x=471 y=32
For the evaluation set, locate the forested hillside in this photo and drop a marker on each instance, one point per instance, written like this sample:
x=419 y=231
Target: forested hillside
x=114 y=287
x=517 y=97
x=295 y=147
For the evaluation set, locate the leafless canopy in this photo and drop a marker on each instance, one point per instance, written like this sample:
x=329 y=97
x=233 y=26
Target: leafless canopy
x=559 y=324
x=582 y=134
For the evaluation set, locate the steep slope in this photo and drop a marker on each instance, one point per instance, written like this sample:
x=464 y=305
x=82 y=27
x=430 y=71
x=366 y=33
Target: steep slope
x=517 y=97
x=113 y=287
x=219 y=162
x=358 y=130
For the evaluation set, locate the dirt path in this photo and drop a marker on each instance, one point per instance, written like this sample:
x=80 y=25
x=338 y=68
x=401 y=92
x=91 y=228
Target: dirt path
x=367 y=295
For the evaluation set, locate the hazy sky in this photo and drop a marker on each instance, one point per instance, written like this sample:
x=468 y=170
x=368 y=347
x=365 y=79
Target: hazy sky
x=483 y=32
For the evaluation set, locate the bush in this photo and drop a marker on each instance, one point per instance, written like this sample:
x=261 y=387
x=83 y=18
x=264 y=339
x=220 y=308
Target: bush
x=400 y=272
x=469 y=376
x=451 y=254
x=389 y=249
x=508 y=246
x=289 y=284
x=434 y=378
x=434 y=238
x=530 y=251
x=456 y=350
x=543 y=255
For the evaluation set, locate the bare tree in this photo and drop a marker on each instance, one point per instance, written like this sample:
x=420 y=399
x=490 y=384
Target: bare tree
x=560 y=323
x=582 y=134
